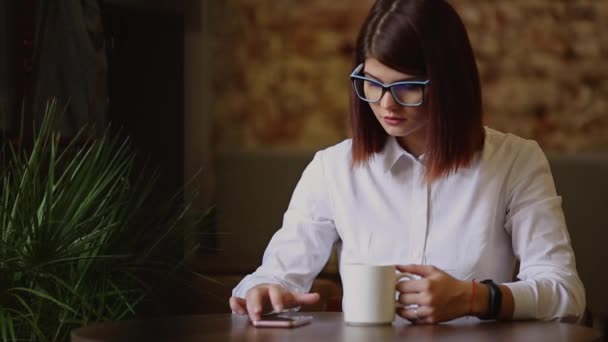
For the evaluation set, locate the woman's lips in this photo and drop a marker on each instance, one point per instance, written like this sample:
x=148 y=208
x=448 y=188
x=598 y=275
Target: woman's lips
x=393 y=121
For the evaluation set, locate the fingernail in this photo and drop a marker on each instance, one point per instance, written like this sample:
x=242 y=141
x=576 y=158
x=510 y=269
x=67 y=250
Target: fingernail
x=278 y=308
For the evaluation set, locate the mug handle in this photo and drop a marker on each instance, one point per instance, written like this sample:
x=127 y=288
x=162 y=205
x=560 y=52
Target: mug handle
x=401 y=275
x=405 y=276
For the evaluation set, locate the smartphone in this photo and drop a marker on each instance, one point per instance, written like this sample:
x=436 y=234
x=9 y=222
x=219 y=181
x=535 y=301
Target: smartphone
x=277 y=321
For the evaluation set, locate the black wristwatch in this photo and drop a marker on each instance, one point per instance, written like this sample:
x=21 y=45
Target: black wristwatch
x=495 y=300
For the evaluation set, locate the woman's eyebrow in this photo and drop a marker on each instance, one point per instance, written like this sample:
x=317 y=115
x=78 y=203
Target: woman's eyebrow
x=367 y=74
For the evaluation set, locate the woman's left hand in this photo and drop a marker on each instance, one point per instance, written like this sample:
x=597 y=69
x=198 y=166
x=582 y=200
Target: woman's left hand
x=439 y=296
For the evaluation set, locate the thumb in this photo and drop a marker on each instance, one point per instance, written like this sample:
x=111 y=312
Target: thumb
x=238 y=305
x=306 y=298
x=421 y=270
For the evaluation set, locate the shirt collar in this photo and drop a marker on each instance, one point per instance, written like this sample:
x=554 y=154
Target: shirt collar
x=392 y=152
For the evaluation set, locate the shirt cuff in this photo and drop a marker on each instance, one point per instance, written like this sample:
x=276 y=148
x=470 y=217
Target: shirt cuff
x=252 y=280
x=524 y=299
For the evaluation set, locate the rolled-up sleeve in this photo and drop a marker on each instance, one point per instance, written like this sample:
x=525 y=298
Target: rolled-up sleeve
x=298 y=251
x=548 y=285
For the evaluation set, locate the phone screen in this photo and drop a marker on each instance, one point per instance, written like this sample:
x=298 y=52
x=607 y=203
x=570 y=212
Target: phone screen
x=277 y=321
x=275 y=318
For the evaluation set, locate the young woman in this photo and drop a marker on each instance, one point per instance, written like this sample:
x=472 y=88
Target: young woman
x=423 y=185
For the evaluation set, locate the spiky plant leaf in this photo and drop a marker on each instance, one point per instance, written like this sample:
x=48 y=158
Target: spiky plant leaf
x=79 y=230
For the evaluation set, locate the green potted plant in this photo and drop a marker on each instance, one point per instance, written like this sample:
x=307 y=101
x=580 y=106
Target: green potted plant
x=81 y=233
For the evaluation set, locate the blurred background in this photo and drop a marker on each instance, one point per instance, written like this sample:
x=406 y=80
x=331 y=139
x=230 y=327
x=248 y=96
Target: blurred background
x=540 y=63
x=244 y=91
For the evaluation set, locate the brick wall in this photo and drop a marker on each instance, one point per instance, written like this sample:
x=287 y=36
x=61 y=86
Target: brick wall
x=282 y=66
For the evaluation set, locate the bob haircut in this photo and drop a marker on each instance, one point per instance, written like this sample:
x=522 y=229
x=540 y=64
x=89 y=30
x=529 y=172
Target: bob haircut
x=423 y=38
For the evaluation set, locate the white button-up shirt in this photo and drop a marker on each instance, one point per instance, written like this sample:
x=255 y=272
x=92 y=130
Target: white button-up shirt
x=473 y=224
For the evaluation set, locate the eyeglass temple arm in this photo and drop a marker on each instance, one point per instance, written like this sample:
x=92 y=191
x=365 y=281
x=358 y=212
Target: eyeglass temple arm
x=357 y=70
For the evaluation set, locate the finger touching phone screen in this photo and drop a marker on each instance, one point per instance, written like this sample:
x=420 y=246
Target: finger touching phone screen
x=276 y=321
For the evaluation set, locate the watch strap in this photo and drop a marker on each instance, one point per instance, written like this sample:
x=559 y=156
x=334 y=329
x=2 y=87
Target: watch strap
x=494 y=300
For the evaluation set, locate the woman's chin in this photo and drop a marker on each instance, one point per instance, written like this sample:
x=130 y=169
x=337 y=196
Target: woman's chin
x=397 y=131
x=404 y=130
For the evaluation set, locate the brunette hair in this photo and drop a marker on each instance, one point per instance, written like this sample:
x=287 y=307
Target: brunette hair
x=423 y=38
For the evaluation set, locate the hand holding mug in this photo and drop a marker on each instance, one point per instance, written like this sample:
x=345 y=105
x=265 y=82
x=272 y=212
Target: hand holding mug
x=435 y=297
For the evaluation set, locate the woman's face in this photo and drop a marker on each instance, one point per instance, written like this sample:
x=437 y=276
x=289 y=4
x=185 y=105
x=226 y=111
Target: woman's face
x=403 y=122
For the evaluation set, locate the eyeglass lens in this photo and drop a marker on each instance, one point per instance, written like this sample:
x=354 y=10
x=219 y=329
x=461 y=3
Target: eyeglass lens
x=410 y=94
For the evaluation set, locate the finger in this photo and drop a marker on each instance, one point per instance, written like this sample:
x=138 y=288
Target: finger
x=426 y=315
x=255 y=300
x=238 y=305
x=410 y=314
x=409 y=298
x=276 y=294
x=306 y=298
x=412 y=286
x=421 y=270
x=402 y=313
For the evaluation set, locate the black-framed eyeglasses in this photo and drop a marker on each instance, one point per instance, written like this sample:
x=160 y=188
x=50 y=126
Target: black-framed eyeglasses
x=405 y=93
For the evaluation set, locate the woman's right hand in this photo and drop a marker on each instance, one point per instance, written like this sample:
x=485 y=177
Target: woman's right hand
x=266 y=296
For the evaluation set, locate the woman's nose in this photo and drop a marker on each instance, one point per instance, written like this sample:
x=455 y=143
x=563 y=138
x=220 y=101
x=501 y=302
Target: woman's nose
x=387 y=100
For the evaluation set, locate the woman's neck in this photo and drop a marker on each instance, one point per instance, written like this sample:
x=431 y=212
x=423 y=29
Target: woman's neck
x=415 y=144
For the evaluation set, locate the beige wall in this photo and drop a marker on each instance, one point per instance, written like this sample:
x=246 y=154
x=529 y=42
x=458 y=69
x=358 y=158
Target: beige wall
x=281 y=70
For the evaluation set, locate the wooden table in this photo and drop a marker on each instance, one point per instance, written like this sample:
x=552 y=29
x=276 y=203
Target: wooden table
x=328 y=326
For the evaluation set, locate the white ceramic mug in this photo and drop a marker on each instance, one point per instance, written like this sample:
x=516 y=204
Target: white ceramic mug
x=369 y=293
